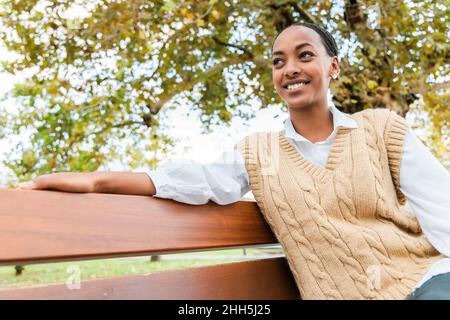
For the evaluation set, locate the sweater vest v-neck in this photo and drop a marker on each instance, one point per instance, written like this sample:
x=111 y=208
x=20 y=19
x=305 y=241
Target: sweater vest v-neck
x=344 y=228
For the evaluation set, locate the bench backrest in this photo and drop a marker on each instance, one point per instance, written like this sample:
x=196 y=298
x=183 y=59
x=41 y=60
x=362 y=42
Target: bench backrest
x=48 y=226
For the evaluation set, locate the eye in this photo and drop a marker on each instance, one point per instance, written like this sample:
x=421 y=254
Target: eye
x=275 y=62
x=305 y=54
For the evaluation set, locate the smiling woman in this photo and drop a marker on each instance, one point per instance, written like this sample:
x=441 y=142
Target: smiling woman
x=332 y=186
x=304 y=60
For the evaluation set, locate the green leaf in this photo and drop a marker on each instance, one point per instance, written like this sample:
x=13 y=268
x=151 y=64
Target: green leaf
x=372 y=84
x=169 y=5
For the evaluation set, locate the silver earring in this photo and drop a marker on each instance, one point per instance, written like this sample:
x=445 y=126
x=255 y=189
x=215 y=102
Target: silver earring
x=335 y=76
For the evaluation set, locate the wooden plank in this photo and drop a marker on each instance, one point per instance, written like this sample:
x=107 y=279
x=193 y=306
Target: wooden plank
x=38 y=226
x=260 y=279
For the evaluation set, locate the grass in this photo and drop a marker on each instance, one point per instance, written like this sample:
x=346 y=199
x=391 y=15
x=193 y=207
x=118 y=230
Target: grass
x=39 y=274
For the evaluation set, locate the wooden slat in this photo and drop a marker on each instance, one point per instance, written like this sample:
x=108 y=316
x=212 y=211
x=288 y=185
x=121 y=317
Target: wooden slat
x=260 y=279
x=37 y=226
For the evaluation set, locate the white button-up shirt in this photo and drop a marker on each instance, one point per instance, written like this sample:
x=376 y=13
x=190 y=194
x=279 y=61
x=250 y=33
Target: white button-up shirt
x=423 y=180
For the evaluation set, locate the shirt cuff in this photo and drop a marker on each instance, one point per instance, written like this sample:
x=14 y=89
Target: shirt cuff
x=160 y=180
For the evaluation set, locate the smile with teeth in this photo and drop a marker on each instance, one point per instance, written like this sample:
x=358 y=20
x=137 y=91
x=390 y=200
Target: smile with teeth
x=295 y=86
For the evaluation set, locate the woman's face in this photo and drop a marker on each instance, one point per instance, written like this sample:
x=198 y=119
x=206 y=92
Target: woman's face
x=301 y=67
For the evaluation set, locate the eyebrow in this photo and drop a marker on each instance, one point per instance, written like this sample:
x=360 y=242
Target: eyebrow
x=299 y=46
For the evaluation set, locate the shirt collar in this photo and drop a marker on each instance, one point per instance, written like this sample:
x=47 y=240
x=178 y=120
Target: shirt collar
x=340 y=119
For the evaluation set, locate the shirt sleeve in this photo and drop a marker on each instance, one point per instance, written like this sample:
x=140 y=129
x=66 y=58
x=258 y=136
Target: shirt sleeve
x=426 y=185
x=223 y=181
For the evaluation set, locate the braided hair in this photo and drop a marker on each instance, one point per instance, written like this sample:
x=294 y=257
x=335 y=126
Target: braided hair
x=326 y=37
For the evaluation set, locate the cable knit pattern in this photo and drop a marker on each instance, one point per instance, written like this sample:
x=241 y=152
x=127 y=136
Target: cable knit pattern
x=344 y=227
x=394 y=137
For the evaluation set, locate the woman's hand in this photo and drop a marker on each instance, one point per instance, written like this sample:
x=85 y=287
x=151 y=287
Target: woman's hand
x=136 y=183
x=63 y=181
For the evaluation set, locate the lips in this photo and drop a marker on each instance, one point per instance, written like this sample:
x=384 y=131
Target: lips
x=297 y=85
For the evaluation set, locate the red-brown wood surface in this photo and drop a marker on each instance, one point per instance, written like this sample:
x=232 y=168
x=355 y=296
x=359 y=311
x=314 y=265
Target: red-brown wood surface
x=260 y=279
x=37 y=226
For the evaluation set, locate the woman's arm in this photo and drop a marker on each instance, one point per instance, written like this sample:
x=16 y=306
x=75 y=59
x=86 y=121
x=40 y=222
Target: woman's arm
x=98 y=182
x=224 y=181
x=426 y=184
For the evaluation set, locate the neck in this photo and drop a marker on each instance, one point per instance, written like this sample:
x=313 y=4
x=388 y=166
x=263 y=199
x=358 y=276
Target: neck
x=315 y=123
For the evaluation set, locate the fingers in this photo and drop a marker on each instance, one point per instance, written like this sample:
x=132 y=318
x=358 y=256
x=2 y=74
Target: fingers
x=38 y=183
x=30 y=185
x=62 y=181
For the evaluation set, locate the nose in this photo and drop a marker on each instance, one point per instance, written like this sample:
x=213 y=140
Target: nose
x=291 y=69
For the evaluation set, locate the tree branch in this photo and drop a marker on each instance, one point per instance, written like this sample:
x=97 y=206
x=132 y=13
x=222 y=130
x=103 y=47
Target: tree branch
x=439 y=86
x=433 y=87
x=280 y=8
x=305 y=15
x=117 y=125
x=222 y=43
x=188 y=85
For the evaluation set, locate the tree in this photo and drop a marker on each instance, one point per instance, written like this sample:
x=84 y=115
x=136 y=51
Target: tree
x=100 y=78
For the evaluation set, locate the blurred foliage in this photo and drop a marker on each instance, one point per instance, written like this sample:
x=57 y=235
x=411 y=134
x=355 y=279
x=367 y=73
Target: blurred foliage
x=102 y=70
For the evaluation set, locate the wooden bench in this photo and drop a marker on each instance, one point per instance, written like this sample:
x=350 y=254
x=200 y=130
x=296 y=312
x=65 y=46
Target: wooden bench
x=49 y=226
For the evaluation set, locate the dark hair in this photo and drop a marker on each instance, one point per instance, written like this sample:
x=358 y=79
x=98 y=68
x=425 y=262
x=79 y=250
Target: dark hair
x=326 y=37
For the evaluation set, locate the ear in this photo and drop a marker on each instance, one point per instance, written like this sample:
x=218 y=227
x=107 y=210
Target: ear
x=334 y=68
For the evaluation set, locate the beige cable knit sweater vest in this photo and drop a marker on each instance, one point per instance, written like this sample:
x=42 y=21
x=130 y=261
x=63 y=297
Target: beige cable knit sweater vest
x=344 y=228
